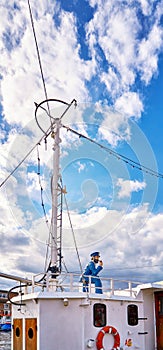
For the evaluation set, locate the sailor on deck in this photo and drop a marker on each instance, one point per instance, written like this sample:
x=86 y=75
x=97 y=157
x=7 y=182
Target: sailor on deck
x=92 y=270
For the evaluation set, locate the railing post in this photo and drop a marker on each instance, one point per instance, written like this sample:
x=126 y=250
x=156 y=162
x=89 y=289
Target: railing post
x=26 y=289
x=130 y=288
x=89 y=284
x=47 y=281
x=112 y=286
x=33 y=284
x=71 y=282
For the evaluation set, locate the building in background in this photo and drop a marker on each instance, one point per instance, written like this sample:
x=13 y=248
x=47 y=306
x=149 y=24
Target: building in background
x=5 y=307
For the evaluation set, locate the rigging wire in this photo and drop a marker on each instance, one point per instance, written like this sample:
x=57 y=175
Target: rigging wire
x=39 y=58
x=125 y=268
x=73 y=234
x=133 y=267
x=41 y=188
x=116 y=154
x=125 y=159
x=64 y=264
x=23 y=160
x=46 y=134
x=43 y=207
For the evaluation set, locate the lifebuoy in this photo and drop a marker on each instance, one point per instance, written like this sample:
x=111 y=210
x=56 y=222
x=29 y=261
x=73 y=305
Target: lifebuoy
x=110 y=330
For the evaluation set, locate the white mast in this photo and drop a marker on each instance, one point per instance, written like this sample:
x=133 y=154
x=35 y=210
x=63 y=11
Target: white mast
x=55 y=189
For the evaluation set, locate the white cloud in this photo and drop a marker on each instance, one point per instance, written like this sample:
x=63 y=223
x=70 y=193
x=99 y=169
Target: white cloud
x=130 y=104
x=130 y=50
x=148 y=53
x=81 y=166
x=120 y=237
x=115 y=29
x=129 y=186
x=64 y=71
x=33 y=183
x=114 y=127
x=147 y=6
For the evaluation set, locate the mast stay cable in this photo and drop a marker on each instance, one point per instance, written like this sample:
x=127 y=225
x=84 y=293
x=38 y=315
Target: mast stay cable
x=125 y=159
x=39 y=59
x=73 y=234
x=46 y=134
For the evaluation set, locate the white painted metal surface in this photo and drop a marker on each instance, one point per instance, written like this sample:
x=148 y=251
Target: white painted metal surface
x=65 y=318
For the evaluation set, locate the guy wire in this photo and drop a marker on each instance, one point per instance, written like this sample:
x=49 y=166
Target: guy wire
x=39 y=60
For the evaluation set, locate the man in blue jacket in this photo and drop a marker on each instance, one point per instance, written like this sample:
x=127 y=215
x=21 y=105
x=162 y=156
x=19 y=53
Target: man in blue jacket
x=92 y=270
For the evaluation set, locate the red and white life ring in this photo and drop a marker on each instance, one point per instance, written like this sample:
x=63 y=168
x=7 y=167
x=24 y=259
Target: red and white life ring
x=110 y=330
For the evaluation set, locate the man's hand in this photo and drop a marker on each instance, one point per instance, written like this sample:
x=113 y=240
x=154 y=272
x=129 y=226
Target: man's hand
x=100 y=262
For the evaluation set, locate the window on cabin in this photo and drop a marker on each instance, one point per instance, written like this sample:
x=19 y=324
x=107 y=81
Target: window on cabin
x=99 y=315
x=132 y=313
x=160 y=305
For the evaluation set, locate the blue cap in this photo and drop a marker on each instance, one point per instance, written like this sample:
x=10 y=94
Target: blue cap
x=95 y=254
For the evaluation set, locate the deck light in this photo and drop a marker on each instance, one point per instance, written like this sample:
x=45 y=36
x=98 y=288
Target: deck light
x=65 y=302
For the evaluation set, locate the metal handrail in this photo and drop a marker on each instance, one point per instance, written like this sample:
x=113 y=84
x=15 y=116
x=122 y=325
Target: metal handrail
x=71 y=282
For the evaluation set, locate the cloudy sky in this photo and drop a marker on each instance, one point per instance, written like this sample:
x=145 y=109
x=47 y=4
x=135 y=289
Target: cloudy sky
x=108 y=55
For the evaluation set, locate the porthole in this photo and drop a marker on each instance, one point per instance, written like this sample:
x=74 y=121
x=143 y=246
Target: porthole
x=17 y=332
x=30 y=333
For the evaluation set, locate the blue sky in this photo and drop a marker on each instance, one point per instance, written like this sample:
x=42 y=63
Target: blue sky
x=108 y=55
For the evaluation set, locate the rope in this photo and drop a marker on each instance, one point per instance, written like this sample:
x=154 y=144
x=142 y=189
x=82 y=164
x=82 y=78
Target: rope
x=73 y=234
x=44 y=211
x=41 y=188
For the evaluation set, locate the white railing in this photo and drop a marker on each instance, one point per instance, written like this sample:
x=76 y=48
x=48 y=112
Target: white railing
x=70 y=282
